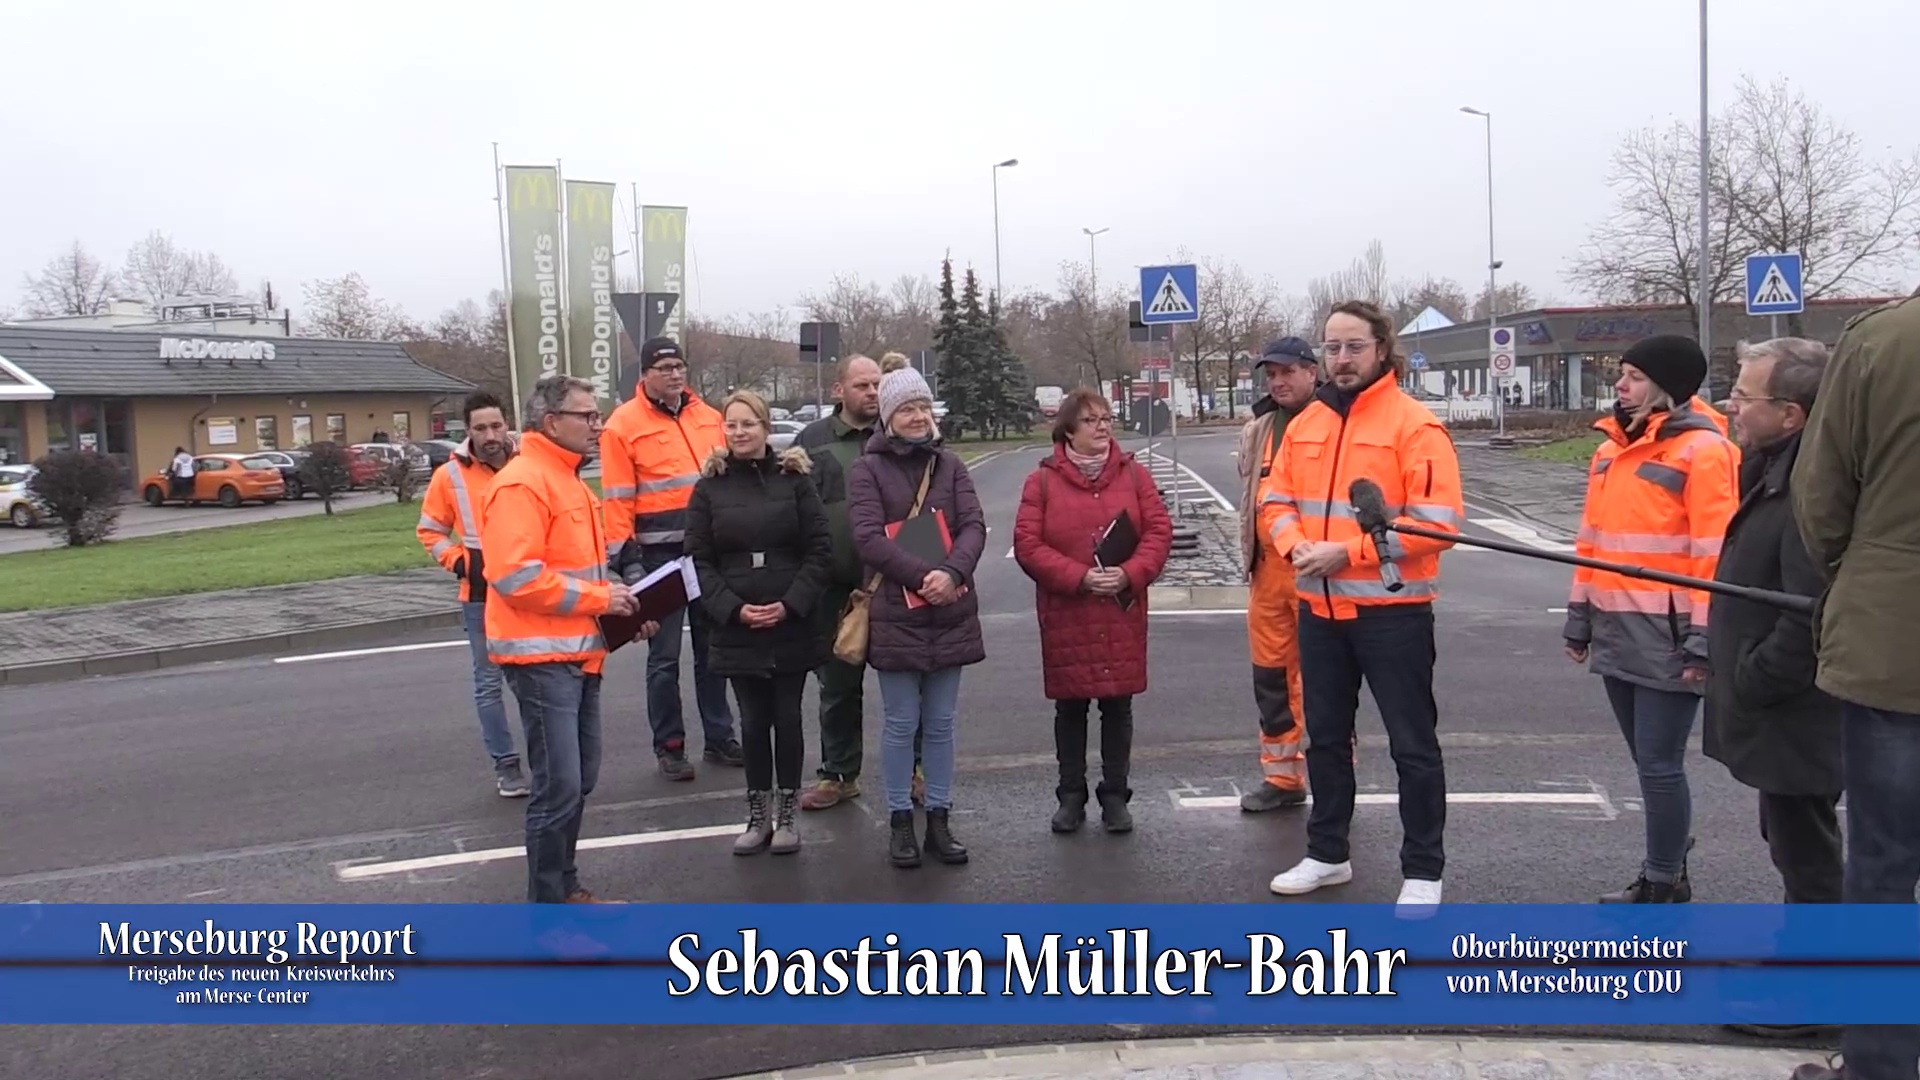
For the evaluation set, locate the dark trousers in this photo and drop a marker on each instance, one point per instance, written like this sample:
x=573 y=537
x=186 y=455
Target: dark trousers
x=1803 y=836
x=1392 y=649
x=770 y=733
x=560 y=713
x=663 y=671
x=1882 y=757
x=1116 y=743
x=843 y=702
x=1656 y=725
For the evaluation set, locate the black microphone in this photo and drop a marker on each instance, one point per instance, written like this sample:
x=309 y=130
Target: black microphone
x=1370 y=510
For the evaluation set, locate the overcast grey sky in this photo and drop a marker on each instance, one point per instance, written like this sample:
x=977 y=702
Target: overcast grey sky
x=301 y=141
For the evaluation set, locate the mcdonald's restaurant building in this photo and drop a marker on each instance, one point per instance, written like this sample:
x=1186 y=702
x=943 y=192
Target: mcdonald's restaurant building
x=137 y=396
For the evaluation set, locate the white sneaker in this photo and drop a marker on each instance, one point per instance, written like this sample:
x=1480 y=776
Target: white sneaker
x=1309 y=875
x=1418 y=898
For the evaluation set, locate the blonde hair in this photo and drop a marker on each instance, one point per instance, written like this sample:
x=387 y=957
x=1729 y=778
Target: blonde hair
x=754 y=403
x=894 y=361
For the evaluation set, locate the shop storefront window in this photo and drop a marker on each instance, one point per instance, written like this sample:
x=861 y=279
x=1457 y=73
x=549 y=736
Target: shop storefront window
x=302 y=431
x=266 y=432
x=337 y=427
x=13 y=433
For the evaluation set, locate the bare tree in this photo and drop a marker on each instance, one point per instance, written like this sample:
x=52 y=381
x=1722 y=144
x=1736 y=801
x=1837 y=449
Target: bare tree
x=749 y=352
x=1512 y=297
x=1086 y=334
x=469 y=341
x=912 y=306
x=1444 y=295
x=1236 y=310
x=71 y=283
x=861 y=309
x=1365 y=278
x=344 y=307
x=157 y=268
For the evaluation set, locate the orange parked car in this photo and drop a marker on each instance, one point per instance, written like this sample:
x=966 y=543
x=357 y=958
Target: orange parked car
x=228 y=479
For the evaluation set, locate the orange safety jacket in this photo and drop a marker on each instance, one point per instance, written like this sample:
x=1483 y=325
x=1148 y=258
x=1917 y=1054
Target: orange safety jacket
x=1659 y=501
x=546 y=560
x=650 y=459
x=449 y=525
x=1382 y=434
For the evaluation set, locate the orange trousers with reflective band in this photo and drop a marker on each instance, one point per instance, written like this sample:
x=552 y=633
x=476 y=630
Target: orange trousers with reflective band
x=1273 y=632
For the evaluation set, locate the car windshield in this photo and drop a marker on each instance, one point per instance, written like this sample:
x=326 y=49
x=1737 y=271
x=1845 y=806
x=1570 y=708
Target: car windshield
x=258 y=463
x=10 y=477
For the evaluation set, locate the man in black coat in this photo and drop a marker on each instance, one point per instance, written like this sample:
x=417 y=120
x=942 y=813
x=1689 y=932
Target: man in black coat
x=1766 y=721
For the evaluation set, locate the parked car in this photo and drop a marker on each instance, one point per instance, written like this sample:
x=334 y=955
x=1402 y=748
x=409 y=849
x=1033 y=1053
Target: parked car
x=783 y=433
x=439 y=451
x=383 y=455
x=17 y=502
x=227 y=480
x=288 y=462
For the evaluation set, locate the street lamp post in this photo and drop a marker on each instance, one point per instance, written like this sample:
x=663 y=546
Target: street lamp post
x=1093 y=271
x=1706 y=280
x=1493 y=265
x=1007 y=164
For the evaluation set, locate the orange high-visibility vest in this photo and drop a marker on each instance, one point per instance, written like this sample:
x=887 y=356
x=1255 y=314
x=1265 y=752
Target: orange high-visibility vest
x=1660 y=501
x=449 y=526
x=649 y=462
x=546 y=560
x=1391 y=439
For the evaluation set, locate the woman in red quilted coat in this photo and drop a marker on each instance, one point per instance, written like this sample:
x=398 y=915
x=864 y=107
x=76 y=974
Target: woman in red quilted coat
x=1093 y=620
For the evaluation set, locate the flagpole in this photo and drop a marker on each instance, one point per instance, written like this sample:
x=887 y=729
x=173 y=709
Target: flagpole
x=506 y=286
x=561 y=267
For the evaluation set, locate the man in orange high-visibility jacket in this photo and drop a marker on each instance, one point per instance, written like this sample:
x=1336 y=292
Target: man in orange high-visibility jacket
x=1273 y=609
x=547 y=565
x=1352 y=625
x=449 y=529
x=650 y=458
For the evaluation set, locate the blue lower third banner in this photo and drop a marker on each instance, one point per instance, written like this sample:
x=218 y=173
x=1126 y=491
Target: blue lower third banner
x=956 y=964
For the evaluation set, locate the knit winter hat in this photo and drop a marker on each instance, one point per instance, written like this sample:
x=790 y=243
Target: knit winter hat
x=1674 y=363
x=899 y=384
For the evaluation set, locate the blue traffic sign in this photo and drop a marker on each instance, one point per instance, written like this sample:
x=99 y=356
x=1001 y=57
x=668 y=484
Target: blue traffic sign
x=1169 y=294
x=1417 y=360
x=1774 y=286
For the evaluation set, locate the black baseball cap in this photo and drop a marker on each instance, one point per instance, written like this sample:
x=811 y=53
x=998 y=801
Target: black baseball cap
x=1286 y=350
x=658 y=349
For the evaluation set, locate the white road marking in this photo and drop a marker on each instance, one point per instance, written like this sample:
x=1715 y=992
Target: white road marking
x=367 y=652
x=1197 y=611
x=1513 y=530
x=362 y=871
x=1454 y=798
x=1556 y=611
x=1009 y=553
x=1154 y=457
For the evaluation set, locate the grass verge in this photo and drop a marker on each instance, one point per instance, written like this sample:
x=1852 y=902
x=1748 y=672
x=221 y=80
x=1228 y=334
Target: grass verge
x=373 y=540
x=1575 y=451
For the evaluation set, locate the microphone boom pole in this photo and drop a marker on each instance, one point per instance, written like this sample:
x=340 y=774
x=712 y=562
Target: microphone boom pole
x=1786 y=601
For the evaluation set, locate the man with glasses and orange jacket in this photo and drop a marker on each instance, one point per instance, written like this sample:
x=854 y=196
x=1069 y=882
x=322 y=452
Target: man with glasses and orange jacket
x=1353 y=626
x=547 y=565
x=650 y=458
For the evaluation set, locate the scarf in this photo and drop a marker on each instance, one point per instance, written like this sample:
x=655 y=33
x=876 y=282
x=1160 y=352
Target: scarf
x=1089 y=465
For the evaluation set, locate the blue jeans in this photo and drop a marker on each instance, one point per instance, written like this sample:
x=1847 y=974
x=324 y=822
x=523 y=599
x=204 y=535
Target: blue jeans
x=922 y=702
x=489 y=696
x=1882 y=758
x=1657 y=725
x=560 y=710
x=663 y=672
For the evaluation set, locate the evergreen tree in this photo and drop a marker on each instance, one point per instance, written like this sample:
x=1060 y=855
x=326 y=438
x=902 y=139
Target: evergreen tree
x=967 y=377
x=1012 y=394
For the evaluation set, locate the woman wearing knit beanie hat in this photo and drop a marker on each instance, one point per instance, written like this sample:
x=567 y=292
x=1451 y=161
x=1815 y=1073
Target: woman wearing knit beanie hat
x=1662 y=487
x=923 y=614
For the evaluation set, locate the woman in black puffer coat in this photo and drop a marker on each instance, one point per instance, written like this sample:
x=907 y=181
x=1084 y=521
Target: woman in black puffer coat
x=758 y=535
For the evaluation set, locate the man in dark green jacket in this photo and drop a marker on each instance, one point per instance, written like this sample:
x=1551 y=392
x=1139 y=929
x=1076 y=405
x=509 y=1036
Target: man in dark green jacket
x=1856 y=499
x=834 y=441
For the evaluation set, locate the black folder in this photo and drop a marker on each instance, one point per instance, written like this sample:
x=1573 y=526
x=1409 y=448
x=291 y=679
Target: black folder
x=668 y=589
x=1117 y=543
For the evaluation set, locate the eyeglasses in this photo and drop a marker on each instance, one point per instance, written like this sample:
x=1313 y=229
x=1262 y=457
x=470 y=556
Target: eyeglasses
x=1742 y=399
x=670 y=369
x=1353 y=348
x=591 y=416
x=1097 y=421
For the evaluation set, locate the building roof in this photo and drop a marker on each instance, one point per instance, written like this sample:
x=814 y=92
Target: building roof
x=118 y=363
x=1430 y=319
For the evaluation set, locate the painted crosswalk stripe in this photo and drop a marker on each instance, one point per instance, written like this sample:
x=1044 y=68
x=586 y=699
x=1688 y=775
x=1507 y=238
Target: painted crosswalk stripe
x=1454 y=798
x=363 y=871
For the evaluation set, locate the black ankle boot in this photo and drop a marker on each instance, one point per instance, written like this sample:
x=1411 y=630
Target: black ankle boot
x=1073 y=810
x=903 y=849
x=1113 y=808
x=1643 y=891
x=940 y=841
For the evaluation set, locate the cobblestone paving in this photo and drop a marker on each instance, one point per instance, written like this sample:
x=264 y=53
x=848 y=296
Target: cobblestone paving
x=1544 y=492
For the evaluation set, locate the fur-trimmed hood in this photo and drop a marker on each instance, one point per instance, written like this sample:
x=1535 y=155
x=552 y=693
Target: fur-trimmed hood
x=793 y=459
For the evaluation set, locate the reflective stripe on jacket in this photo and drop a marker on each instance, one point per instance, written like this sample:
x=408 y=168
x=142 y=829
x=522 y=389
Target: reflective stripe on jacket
x=649 y=461
x=449 y=525
x=546 y=560
x=1660 y=501
x=1386 y=436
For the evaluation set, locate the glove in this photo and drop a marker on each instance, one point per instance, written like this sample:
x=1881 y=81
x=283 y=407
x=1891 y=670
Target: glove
x=460 y=567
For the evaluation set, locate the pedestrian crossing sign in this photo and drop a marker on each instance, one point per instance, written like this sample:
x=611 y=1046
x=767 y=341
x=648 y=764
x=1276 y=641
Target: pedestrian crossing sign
x=1169 y=294
x=1774 y=285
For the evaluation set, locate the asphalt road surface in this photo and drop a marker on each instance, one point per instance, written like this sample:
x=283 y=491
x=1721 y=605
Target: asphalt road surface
x=359 y=778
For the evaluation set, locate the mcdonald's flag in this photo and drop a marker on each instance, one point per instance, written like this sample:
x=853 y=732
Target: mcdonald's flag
x=664 y=262
x=592 y=340
x=533 y=260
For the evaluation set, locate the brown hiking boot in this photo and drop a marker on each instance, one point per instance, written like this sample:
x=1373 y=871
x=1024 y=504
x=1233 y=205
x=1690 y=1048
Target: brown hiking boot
x=582 y=896
x=829 y=793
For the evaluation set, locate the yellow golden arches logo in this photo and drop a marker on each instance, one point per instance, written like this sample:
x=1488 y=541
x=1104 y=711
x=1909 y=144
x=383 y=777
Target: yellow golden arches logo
x=532 y=188
x=589 y=202
x=664 y=224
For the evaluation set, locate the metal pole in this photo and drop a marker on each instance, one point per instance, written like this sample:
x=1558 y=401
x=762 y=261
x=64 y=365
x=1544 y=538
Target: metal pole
x=996 y=230
x=1773 y=326
x=1706 y=286
x=639 y=284
x=1493 y=290
x=1173 y=422
x=560 y=245
x=506 y=285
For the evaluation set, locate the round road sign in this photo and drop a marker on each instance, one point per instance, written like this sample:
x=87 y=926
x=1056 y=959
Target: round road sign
x=1418 y=360
x=1502 y=363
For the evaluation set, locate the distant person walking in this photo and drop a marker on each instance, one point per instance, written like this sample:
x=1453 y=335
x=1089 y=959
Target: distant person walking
x=1093 y=615
x=450 y=529
x=180 y=473
x=546 y=562
x=1661 y=489
x=918 y=647
x=759 y=538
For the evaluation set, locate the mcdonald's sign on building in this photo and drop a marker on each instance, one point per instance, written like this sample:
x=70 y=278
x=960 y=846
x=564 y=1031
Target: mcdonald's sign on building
x=664 y=258
x=592 y=340
x=533 y=259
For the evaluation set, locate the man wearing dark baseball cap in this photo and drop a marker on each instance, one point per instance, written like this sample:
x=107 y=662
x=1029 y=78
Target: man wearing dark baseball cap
x=1291 y=372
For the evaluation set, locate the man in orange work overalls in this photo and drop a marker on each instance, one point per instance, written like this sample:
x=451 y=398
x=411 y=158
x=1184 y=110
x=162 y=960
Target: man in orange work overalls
x=1273 y=616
